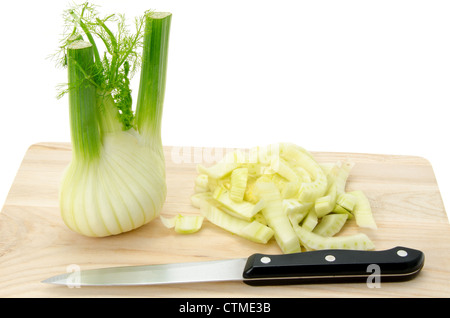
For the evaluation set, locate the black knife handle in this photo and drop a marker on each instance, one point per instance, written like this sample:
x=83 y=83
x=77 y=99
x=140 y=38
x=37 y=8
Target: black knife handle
x=333 y=266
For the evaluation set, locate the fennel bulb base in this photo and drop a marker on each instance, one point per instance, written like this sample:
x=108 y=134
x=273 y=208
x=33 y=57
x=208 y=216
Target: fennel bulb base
x=121 y=190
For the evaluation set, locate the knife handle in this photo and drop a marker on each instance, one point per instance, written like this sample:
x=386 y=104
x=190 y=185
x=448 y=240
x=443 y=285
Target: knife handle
x=333 y=266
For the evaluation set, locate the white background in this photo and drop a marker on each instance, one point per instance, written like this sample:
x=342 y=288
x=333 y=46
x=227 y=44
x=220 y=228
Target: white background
x=345 y=76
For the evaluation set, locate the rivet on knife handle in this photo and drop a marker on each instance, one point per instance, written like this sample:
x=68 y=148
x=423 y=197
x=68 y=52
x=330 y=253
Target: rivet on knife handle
x=333 y=266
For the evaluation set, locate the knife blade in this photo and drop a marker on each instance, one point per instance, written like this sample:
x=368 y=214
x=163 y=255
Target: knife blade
x=322 y=266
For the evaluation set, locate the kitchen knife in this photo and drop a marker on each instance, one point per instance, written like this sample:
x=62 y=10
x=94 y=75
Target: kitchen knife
x=322 y=266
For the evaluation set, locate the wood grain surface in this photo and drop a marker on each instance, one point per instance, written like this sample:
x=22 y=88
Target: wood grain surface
x=35 y=244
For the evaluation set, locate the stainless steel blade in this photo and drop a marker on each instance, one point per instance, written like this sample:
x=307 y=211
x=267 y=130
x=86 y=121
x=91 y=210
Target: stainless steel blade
x=209 y=271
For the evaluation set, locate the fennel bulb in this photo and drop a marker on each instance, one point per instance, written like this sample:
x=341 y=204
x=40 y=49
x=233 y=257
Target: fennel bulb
x=115 y=181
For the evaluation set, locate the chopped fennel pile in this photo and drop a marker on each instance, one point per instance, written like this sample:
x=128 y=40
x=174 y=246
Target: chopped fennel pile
x=115 y=181
x=282 y=192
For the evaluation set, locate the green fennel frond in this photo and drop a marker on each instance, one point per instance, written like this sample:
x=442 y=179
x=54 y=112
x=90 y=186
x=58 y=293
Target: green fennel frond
x=121 y=57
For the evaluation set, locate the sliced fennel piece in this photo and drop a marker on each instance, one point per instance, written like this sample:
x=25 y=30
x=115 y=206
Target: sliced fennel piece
x=279 y=166
x=197 y=198
x=238 y=184
x=276 y=219
x=257 y=232
x=362 y=211
x=188 y=224
x=251 y=230
x=336 y=177
x=249 y=194
x=339 y=174
x=311 y=240
x=214 y=183
x=303 y=175
x=255 y=169
x=183 y=224
x=260 y=218
x=330 y=224
x=326 y=167
x=310 y=191
x=297 y=156
x=325 y=204
x=342 y=177
x=198 y=189
x=168 y=222
x=202 y=181
x=347 y=201
x=244 y=210
x=290 y=189
x=292 y=206
x=339 y=209
x=295 y=210
x=219 y=170
x=310 y=221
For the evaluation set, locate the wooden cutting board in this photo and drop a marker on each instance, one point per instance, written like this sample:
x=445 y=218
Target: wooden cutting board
x=35 y=244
